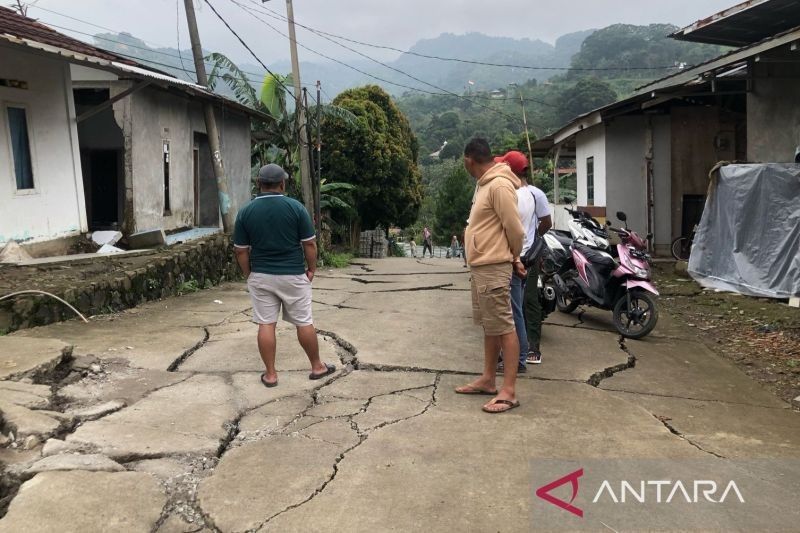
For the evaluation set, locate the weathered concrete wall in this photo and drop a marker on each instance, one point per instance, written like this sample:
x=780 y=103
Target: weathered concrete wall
x=592 y=143
x=158 y=116
x=773 y=113
x=55 y=207
x=118 y=284
x=626 y=183
x=662 y=183
x=694 y=153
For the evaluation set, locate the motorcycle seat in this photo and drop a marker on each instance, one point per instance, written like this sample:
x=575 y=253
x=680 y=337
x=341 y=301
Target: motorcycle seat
x=596 y=257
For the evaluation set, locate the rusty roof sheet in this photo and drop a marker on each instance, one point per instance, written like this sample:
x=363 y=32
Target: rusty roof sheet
x=743 y=24
x=22 y=31
x=16 y=25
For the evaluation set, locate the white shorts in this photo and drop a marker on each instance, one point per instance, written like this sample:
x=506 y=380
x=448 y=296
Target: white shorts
x=270 y=292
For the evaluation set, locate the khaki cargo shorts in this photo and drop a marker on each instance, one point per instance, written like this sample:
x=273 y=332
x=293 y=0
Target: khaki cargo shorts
x=270 y=292
x=491 y=298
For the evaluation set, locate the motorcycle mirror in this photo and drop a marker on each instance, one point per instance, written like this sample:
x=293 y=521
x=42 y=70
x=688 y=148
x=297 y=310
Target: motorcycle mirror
x=649 y=237
x=622 y=216
x=608 y=223
x=567 y=200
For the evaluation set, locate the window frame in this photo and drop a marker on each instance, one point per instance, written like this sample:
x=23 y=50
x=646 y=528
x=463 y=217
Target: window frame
x=31 y=147
x=590 y=180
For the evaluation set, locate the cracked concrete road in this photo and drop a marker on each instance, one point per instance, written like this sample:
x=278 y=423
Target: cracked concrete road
x=163 y=404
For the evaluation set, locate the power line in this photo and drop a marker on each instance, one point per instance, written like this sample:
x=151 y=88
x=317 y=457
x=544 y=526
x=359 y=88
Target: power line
x=453 y=59
x=443 y=91
x=178 y=29
x=275 y=76
x=145 y=48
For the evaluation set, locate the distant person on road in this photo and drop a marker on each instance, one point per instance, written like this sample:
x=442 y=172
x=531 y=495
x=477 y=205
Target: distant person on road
x=455 y=247
x=276 y=249
x=413 y=246
x=427 y=241
x=493 y=242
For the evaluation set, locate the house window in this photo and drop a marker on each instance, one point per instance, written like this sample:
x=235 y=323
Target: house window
x=20 y=146
x=590 y=181
x=166 y=179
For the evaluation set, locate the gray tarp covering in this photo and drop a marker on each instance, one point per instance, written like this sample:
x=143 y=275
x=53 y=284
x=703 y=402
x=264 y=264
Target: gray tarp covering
x=748 y=240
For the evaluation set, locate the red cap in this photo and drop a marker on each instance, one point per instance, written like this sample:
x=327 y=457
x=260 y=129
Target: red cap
x=514 y=159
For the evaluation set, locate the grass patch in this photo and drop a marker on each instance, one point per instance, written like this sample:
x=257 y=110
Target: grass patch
x=336 y=260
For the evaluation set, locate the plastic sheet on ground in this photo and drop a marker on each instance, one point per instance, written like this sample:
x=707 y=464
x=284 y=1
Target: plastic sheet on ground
x=748 y=240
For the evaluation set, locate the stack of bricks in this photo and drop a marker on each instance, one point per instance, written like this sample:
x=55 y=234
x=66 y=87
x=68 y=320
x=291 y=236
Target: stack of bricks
x=373 y=244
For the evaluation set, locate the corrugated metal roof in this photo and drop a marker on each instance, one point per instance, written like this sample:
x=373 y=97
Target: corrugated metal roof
x=26 y=32
x=723 y=61
x=14 y=24
x=743 y=24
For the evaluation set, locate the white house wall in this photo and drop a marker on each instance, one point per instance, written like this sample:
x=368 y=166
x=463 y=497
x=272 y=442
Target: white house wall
x=55 y=207
x=591 y=143
x=157 y=116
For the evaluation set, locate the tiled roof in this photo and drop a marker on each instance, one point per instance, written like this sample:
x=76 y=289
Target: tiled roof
x=12 y=23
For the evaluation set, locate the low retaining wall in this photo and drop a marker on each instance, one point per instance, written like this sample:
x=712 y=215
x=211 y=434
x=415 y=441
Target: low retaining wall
x=107 y=284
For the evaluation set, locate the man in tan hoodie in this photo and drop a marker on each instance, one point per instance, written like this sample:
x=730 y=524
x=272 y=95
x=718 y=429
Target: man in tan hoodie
x=493 y=242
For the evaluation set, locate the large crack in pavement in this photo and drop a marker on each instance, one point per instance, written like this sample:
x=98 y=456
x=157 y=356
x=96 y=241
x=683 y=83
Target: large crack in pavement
x=674 y=431
x=175 y=365
x=363 y=436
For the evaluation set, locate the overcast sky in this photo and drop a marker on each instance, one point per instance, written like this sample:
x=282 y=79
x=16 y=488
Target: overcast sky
x=397 y=23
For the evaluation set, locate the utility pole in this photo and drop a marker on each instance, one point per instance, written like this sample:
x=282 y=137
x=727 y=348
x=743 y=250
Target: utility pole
x=300 y=115
x=527 y=135
x=317 y=199
x=211 y=123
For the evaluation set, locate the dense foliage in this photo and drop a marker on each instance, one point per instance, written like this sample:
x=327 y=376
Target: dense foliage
x=377 y=153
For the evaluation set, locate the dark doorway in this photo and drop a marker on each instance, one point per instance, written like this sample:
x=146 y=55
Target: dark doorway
x=693 y=205
x=206 y=201
x=101 y=147
x=103 y=174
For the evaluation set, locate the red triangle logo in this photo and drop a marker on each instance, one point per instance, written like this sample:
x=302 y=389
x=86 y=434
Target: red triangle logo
x=544 y=492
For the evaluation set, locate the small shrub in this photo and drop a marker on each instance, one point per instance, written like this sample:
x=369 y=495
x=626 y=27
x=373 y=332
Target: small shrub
x=396 y=250
x=188 y=287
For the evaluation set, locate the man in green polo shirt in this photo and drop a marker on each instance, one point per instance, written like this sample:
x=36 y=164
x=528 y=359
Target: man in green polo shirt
x=276 y=249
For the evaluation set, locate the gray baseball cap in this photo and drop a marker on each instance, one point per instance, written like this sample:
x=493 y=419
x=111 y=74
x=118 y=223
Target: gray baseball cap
x=272 y=173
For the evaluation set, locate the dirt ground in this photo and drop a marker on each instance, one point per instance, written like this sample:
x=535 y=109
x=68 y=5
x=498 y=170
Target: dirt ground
x=760 y=335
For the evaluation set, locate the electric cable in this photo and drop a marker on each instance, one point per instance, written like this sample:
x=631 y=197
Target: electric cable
x=275 y=14
x=442 y=91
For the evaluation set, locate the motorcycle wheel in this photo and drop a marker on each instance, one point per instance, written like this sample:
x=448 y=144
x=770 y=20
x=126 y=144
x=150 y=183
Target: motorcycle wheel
x=564 y=304
x=640 y=318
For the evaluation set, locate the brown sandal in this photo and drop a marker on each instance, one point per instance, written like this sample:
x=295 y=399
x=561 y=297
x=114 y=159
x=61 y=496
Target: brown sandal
x=507 y=406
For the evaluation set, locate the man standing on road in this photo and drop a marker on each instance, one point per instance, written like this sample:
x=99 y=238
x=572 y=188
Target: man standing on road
x=541 y=222
x=276 y=249
x=526 y=205
x=427 y=241
x=493 y=241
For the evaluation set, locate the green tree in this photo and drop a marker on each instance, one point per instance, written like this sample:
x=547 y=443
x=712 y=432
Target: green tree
x=377 y=153
x=586 y=95
x=453 y=201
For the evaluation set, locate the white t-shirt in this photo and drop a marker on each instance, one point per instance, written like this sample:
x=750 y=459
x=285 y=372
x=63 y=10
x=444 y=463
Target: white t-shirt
x=533 y=206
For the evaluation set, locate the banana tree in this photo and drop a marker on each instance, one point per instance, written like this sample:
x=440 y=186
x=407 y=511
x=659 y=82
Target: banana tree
x=274 y=140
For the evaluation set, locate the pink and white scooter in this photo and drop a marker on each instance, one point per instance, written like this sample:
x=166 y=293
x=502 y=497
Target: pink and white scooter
x=593 y=277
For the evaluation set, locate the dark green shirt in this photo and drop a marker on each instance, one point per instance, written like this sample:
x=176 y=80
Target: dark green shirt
x=274 y=226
